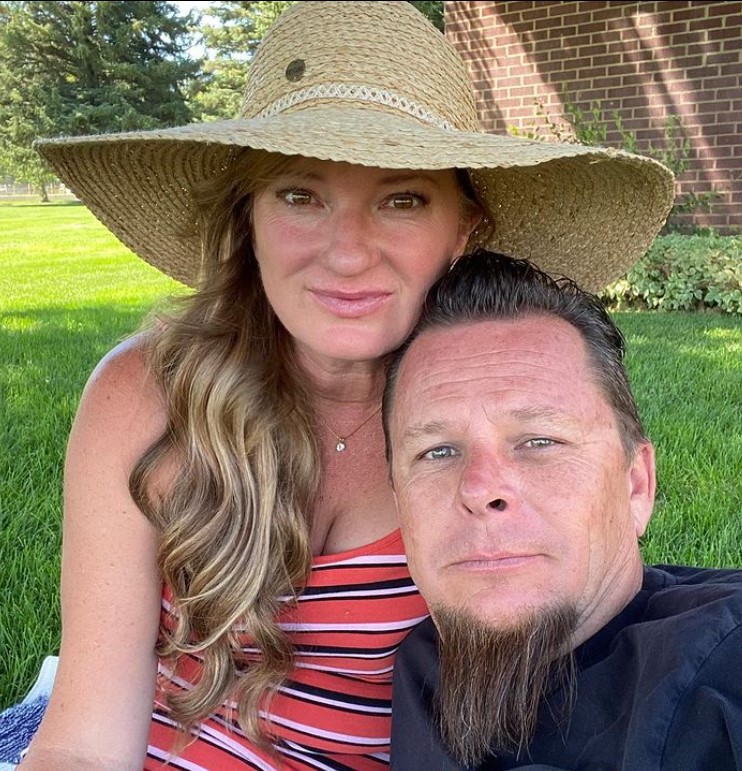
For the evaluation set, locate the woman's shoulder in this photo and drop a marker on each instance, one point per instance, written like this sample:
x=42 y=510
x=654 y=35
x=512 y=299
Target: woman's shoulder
x=125 y=368
x=122 y=394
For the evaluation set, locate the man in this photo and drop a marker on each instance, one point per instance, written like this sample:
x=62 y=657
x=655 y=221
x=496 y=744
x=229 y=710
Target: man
x=523 y=480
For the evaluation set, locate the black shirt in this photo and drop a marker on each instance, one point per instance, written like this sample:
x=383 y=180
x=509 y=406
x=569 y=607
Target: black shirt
x=658 y=688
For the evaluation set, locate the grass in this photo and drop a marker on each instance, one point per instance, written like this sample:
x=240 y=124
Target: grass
x=69 y=291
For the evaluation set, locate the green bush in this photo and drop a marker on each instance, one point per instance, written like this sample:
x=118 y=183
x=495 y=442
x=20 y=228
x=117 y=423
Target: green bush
x=684 y=272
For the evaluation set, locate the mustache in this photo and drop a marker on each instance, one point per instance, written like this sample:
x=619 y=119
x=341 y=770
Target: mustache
x=493 y=680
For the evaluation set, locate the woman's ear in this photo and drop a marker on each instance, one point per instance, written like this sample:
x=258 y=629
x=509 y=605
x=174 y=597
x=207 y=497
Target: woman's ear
x=470 y=219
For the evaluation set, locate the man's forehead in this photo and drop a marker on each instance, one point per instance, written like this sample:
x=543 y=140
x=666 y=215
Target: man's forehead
x=477 y=342
x=536 y=363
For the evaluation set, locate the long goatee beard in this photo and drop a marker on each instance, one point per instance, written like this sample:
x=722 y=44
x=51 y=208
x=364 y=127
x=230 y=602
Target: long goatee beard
x=493 y=681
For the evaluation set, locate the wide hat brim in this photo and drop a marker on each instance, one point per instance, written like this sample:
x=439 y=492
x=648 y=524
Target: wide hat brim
x=583 y=212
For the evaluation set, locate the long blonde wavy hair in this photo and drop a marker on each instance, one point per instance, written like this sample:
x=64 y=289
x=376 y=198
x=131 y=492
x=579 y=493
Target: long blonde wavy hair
x=234 y=524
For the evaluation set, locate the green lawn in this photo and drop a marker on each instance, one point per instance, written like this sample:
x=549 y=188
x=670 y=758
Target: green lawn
x=69 y=291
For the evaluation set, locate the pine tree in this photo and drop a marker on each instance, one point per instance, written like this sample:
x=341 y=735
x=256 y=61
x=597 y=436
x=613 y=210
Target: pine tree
x=73 y=67
x=231 y=36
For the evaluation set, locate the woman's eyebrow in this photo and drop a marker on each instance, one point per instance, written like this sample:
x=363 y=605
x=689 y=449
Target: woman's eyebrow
x=408 y=177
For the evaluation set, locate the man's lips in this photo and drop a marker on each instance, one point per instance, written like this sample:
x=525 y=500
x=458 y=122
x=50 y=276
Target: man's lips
x=350 y=304
x=493 y=561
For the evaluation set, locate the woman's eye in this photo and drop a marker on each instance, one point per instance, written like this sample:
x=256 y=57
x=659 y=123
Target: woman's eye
x=406 y=201
x=439 y=453
x=296 y=197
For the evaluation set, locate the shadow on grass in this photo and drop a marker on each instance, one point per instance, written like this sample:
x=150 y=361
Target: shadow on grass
x=47 y=356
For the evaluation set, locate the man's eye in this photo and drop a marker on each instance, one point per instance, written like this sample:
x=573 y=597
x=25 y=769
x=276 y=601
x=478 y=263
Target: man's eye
x=296 y=197
x=406 y=201
x=540 y=441
x=439 y=453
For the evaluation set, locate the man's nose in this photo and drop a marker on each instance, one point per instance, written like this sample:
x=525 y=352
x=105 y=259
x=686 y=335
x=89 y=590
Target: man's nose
x=352 y=246
x=487 y=483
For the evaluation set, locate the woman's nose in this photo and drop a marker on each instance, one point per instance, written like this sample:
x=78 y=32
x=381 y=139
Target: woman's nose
x=352 y=245
x=486 y=485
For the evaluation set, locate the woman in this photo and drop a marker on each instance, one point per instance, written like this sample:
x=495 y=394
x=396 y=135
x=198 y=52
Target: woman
x=230 y=546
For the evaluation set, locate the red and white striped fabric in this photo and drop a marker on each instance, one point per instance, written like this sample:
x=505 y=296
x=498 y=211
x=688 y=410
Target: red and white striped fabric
x=334 y=711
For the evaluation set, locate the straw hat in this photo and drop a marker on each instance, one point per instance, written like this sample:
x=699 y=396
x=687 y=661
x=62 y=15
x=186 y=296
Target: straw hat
x=375 y=84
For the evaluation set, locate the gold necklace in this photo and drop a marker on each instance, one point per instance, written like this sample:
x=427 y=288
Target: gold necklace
x=342 y=441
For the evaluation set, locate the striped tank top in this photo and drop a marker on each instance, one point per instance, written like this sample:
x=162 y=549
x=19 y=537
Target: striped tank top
x=334 y=712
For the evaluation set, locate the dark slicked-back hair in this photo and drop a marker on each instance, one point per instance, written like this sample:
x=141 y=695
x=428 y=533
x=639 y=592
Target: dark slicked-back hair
x=486 y=286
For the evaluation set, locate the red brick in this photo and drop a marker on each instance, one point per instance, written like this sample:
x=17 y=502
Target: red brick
x=505 y=103
x=568 y=32
x=587 y=73
x=667 y=30
x=721 y=129
x=563 y=9
x=547 y=68
x=634 y=102
x=697 y=12
x=724 y=9
x=731 y=69
x=507 y=81
x=611 y=12
x=724 y=34
x=559 y=54
x=593 y=50
x=538 y=34
x=545 y=22
x=549 y=45
x=588 y=95
x=686 y=62
x=521 y=91
x=716 y=107
x=593 y=27
x=606 y=60
x=621 y=69
x=609 y=36
x=725 y=81
x=693 y=40
x=724 y=58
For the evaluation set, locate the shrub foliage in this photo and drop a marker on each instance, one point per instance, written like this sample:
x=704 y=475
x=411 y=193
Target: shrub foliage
x=684 y=272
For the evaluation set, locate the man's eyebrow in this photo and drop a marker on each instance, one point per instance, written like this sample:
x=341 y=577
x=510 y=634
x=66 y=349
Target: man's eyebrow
x=540 y=413
x=437 y=427
x=423 y=430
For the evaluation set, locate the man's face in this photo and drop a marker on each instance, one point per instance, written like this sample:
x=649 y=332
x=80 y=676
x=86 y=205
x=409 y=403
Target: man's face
x=513 y=487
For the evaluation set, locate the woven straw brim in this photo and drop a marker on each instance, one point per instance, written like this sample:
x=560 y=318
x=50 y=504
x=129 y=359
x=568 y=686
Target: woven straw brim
x=583 y=212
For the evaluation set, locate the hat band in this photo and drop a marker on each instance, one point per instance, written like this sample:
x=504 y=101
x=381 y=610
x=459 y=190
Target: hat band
x=349 y=93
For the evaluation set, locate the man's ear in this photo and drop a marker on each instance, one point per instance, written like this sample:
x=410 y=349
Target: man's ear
x=643 y=482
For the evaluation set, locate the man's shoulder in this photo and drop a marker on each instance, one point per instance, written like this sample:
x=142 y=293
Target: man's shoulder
x=678 y=589
x=700 y=606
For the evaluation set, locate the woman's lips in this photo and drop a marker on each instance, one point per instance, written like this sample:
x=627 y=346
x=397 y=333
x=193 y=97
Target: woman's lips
x=350 y=305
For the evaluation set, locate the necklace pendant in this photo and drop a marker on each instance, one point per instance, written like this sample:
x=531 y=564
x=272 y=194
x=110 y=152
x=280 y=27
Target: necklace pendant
x=340 y=446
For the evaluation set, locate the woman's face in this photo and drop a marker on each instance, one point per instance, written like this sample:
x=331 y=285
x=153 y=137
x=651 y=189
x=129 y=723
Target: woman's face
x=347 y=253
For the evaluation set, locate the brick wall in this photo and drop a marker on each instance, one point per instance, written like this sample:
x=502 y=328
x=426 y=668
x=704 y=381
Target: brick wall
x=646 y=60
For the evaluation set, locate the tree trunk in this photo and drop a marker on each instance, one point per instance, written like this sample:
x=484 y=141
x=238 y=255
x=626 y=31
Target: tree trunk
x=44 y=194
